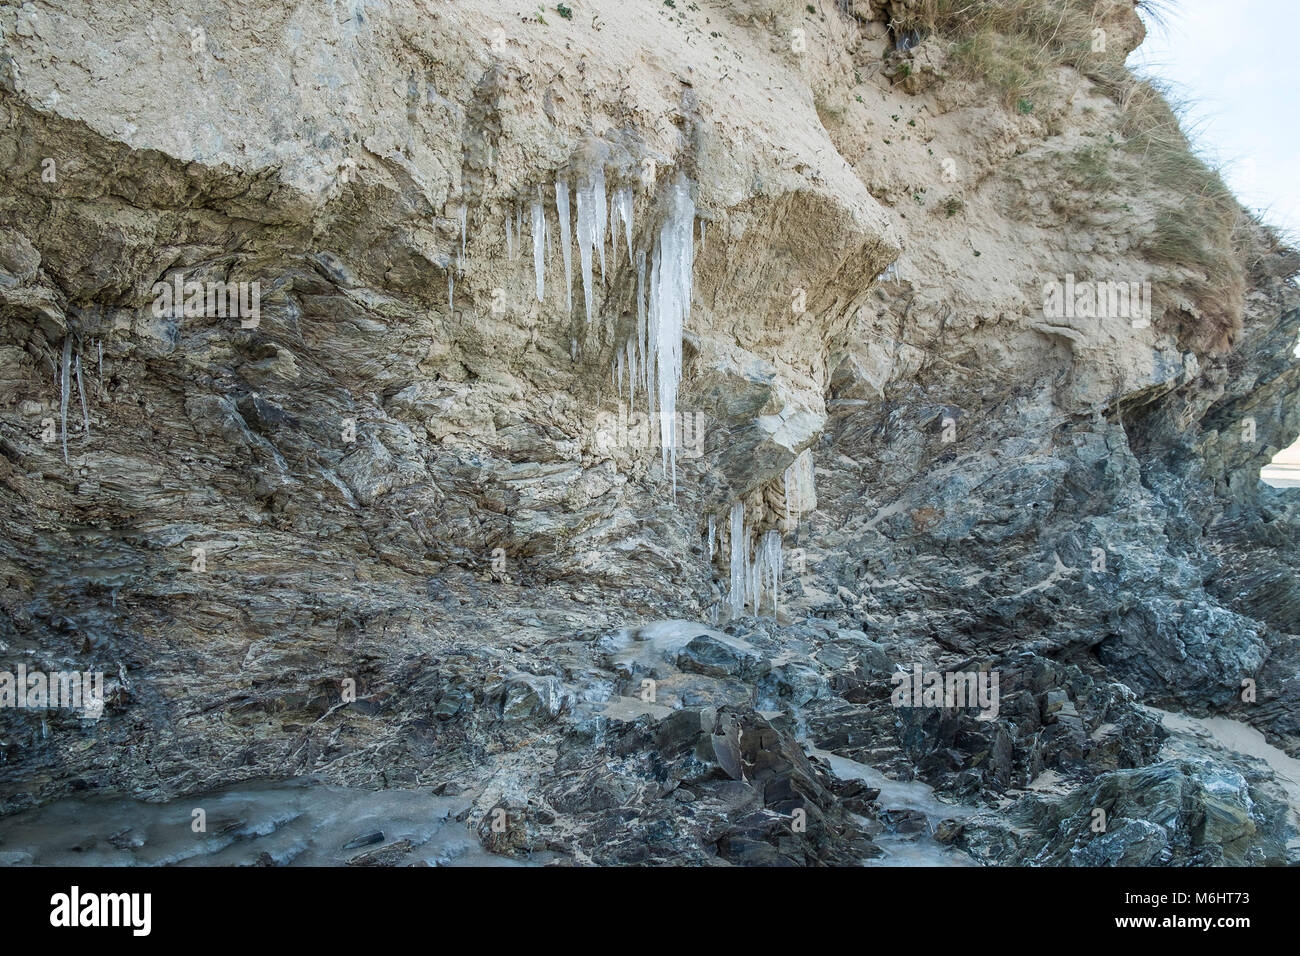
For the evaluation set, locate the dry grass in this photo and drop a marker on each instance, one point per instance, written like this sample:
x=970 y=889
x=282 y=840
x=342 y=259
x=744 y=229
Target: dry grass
x=1199 y=224
x=1016 y=45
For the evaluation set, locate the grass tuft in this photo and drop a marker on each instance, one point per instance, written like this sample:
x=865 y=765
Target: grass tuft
x=1017 y=45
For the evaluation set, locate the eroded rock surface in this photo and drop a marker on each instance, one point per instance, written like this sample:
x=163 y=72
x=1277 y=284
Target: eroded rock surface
x=382 y=536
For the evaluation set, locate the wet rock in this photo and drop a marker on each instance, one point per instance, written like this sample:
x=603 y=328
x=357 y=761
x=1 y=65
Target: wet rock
x=722 y=658
x=368 y=839
x=1181 y=813
x=390 y=484
x=392 y=854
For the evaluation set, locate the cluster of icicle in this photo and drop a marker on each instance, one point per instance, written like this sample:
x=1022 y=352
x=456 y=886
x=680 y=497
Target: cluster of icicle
x=597 y=226
x=68 y=368
x=757 y=560
x=756 y=565
x=651 y=358
x=800 y=492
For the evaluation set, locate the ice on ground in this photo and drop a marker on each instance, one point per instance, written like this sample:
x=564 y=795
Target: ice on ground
x=903 y=849
x=296 y=822
x=640 y=649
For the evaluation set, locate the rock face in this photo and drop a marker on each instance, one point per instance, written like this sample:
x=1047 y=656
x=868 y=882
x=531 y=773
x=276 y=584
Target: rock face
x=392 y=517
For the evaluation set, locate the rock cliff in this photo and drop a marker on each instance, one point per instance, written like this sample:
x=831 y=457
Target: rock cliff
x=966 y=365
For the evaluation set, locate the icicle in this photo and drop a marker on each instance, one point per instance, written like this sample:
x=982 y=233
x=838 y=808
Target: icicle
x=464 y=216
x=738 y=552
x=800 y=487
x=63 y=391
x=562 y=208
x=100 y=344
x=510 y=238
x=601 y=214
x=701 y=235
x=623 y=200
x=629 y=362
x=642 y=343
x=713 y=531
x=539 y=246
x=652 y=329
x=588 y=233
x=619 y=371
x=519 y=226
x=772 y=561
x=671 y=280
x=81 y=391
x=755 y=572
x=751 y=576
x=451 y=291
x=613 y=233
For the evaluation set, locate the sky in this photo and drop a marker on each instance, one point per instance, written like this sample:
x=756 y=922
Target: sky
x=1236 y=64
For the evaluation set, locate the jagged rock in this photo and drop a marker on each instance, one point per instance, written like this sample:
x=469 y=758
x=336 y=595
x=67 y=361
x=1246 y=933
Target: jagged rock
x=383 y=533
x=709 y=655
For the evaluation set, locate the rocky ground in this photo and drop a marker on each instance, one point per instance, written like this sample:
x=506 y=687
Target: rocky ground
x=380 y=539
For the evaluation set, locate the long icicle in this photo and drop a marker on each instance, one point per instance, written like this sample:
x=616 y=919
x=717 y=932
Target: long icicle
x=588 y=235
x=670 y=307
x=464 y=217
x=539 y=247
x=629 y=362
x=81 y=391
x=623 y=201
x=562 y=209
x=738 y=549
x=613 y=228
x=63 y=392
x=601 y=215
x=800 y=489
x=642 y=342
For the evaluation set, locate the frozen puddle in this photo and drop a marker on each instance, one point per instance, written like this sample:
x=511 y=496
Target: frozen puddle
x=904 y=849
x=641 y=649
x=298 y=822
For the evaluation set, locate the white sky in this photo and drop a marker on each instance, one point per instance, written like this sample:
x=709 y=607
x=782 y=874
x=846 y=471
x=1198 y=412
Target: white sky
x=1237 y=64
